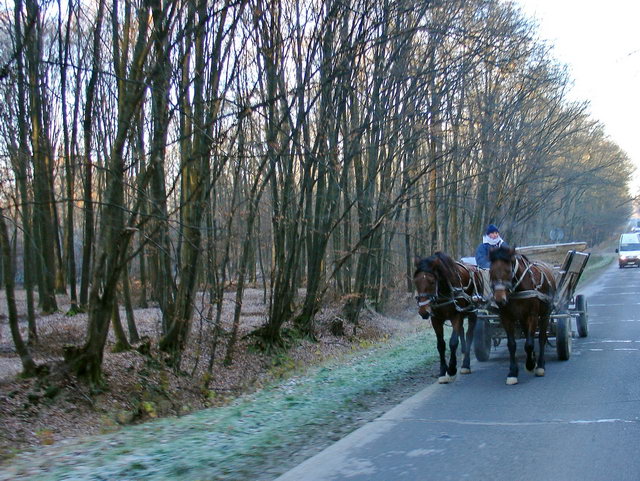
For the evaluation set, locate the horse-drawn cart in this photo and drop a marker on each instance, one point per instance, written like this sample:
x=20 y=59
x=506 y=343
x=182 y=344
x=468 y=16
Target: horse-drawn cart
x=565 y=307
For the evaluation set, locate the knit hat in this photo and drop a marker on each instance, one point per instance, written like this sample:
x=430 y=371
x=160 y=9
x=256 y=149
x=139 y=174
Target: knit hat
x=491 y=228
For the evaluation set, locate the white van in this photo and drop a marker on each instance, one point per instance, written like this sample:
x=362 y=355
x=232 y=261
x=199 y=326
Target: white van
x=629 y=250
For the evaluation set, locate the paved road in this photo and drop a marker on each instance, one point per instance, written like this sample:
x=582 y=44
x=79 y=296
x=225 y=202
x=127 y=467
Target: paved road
x=580 y=422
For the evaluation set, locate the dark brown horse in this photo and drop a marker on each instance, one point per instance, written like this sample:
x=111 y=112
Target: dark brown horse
x=448 y=290
x=524 y=293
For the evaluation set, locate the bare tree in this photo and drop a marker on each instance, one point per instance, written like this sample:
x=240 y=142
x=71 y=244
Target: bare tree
x=87 y=125
x=115 y=235
x=199 y=119
x=44 y=214
x=29 y=367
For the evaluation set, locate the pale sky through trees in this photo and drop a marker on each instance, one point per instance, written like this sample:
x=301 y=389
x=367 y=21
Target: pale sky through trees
x=600 y=43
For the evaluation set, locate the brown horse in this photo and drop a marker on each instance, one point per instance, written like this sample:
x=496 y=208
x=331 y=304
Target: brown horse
x=448 y=290
x=524 y=292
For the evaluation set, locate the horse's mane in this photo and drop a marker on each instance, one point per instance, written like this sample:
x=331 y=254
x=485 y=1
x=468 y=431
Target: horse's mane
x=449 y=265
x=424 y=265
x=508 y=255
x=446 y=266
x=505 y=254
x=501 y=254
x=449 y=274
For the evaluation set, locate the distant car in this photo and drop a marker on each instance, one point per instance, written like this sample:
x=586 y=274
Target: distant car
x=635 y=229
x=629 y=250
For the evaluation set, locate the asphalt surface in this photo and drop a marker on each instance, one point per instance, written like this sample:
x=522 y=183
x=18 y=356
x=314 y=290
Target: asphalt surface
x=580 y=422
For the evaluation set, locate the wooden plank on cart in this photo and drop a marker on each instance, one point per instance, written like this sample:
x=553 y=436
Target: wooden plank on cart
x=551 y=253
x=569 y=275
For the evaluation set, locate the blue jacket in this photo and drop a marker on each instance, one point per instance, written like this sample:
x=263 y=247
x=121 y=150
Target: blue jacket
x=482 y=253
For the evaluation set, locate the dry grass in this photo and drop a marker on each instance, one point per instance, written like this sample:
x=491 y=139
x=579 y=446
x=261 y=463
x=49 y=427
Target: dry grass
x=58 y=407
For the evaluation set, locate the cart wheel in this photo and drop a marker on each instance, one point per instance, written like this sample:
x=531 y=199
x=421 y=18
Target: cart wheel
x=482 y=340
x=563 y=338
x=582 y=318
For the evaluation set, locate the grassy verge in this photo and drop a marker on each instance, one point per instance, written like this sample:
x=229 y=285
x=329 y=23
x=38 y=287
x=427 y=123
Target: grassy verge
x=234 y=442
x=598 y=262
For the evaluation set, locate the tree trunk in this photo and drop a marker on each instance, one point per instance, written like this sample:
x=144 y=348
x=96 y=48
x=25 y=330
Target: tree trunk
x=143 y=264
x=114 y=237
x=245 y=256
x=29 y=367
x=198 y=179
x=22 y=157
x=122 y=344
x=42 y=163
x=161 y=275
x=134 y=337
x=87 y=126
x=63 y=49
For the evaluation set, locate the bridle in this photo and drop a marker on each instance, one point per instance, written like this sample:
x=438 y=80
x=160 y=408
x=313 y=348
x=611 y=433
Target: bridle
x=508 y=285
x=502 y=285
x=428 y=299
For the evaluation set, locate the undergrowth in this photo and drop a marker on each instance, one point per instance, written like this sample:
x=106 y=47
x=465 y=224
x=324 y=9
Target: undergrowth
x=232 y=442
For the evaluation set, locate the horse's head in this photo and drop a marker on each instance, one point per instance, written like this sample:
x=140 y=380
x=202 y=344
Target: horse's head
x=426 y=283
x=501 y=272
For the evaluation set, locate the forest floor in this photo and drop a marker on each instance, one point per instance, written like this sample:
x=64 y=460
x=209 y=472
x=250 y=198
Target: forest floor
x=58 y=408
x=271 y=411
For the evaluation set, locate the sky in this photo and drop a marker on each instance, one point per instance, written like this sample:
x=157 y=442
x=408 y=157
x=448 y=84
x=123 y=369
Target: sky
x=600 y=43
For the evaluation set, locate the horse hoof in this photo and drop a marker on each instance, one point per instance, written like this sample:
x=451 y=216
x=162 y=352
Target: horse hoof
x=444 y=379
x=511 y=381
x=465 y=370
x=540 y=371
x=529 y=370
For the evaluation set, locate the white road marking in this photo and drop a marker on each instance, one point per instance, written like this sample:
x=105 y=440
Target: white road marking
x=423 y=452
x=598 y=421
x=526 y=423
x=611 y=305
x=610 y=341
x=615 y=349
x=631 y=293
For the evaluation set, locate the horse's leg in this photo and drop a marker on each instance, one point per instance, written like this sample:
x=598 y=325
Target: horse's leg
x=529 y=343
x=512 y=377
x=467 y=341
x=438 y=327
x=456 y=334
x=544 y=325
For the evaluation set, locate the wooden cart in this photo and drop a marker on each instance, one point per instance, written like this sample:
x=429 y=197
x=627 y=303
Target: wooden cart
x=566 y=306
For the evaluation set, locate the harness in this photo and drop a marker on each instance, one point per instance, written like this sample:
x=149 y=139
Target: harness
x=528 y=294
x=457 y=294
